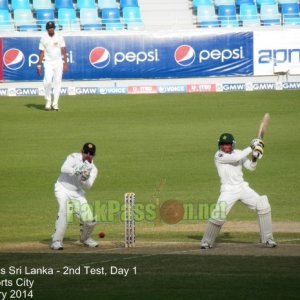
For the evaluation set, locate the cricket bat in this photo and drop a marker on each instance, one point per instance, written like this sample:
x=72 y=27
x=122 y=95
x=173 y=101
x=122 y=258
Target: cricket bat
x=263 y=126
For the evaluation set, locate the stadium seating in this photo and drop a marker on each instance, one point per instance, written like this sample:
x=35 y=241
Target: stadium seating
x=114 y=26
x=206 y=16
x=107 y=4
x=131 y=14
x=20 y=4
x=41 y=4
x=259 y=3
x=240 y=2
x=227 y=12
x=4 y=4
x=196 y=3
x=223 y=2
x=67 y=19
x=129 y=3
x=89 y=19
x=269 y=14
x=6 y=21
x=86 y=4
x=132 y=18
x=43 y=16
x=290 y=14
x=229 y=23
x=290 y=10
x=24 y=20
x=63 y=4
x=84 y=14
x=110 y=15
x=249 y=15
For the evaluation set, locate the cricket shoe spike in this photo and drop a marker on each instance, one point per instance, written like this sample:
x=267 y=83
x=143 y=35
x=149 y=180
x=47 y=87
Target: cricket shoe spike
x=90 y=243
x=270 y=243
x=205 y=246
x=57 y=245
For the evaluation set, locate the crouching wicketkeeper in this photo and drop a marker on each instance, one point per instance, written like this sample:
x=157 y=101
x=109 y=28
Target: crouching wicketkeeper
x=78 y=172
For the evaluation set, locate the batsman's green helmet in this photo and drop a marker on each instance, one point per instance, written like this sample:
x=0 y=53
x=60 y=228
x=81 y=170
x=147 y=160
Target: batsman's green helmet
x=226 y=138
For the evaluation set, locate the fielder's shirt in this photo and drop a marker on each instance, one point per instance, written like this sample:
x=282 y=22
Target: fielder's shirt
x=52 y=47
x=71 y=181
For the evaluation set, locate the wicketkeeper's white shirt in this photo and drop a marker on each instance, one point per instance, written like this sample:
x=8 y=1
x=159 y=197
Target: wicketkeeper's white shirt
x=71 y=181
x=229 y=165
x=52 y=46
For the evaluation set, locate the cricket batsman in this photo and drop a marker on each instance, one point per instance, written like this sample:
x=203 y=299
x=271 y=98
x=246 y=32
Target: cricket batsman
x=78 y=173
x=229 y=163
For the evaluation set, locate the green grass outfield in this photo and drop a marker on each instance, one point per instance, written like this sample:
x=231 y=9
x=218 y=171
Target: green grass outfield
x=141 y=141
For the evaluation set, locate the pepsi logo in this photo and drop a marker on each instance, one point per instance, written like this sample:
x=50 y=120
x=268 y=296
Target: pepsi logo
x=13 y=59
x=184 y=55
x=99 y=57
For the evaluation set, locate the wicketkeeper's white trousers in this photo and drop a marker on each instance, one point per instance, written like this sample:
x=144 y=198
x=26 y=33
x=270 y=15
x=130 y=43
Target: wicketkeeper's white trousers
x=70 y=203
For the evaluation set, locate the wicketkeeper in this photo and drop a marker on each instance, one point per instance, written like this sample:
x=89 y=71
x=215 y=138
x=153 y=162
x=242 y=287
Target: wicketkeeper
x=78 y=173
x=229 y=163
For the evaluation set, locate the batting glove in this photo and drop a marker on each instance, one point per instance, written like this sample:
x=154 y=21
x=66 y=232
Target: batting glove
x=258 y=152
x=256 y=142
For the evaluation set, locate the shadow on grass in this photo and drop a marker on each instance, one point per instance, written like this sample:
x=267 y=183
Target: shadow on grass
x=35 y=106
x=225 y=237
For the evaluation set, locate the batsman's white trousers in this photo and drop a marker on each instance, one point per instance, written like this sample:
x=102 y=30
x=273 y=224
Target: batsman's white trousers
x=53 y=71
x=70 y=203
x=230 y=195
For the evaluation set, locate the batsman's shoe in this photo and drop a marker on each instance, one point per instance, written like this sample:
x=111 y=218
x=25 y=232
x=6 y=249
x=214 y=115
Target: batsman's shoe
x=205 y=245
x=57 y=245
x=90 y=243
x=270 y=243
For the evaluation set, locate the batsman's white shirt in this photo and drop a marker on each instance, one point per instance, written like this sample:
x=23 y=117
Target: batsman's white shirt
x=52 y=47
x=73 y=182
x=229 y=166
x=233 y=186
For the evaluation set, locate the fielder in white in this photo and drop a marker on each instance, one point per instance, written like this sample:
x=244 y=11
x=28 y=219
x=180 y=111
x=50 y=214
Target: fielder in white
x=54 y=55
x=229 y=163
x=78 y=173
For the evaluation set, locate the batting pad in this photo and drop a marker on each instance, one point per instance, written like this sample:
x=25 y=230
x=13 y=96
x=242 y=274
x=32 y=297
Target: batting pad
x=86 y=230
x=265 y=227
x=211 y=232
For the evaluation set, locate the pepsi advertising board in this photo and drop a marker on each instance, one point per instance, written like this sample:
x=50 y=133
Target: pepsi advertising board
x=138 y=56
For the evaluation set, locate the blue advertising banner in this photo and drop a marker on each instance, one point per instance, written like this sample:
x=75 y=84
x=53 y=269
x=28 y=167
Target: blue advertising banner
x=138 y=56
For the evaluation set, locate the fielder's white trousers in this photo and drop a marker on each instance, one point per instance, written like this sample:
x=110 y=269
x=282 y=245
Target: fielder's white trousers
x=230 y=195
x=53 y=72
x=69 y=203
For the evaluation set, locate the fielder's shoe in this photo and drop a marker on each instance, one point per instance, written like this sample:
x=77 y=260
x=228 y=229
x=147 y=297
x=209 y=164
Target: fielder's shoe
x=205 y=245
x=55 y=107
x=57 y=245
x=270 y=243
x=48 y=105
x=90 y=243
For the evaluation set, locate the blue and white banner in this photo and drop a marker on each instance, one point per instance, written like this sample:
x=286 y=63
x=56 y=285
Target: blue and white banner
x=276 y=52
x=140 y=55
